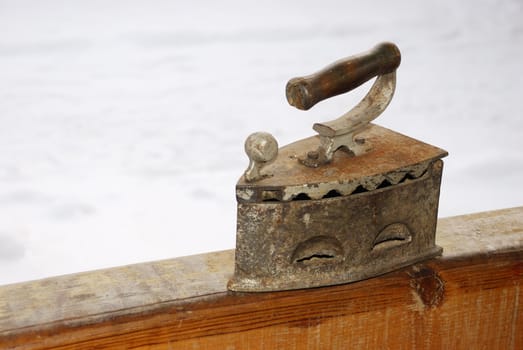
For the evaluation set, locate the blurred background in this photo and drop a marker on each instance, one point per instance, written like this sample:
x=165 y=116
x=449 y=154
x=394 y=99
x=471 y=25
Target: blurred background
x=122 y=122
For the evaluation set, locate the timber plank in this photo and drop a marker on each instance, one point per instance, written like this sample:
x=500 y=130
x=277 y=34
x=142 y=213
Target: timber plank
x=468 y=298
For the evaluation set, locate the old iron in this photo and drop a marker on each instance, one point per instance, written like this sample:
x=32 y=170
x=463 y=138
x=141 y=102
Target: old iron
x=355 y=201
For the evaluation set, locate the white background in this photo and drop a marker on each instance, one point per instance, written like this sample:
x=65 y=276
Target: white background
x=122 y=122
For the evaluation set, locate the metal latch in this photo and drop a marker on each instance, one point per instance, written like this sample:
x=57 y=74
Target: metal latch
x=355 y=201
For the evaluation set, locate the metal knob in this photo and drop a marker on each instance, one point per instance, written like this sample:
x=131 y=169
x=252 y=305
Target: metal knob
x=262 y=149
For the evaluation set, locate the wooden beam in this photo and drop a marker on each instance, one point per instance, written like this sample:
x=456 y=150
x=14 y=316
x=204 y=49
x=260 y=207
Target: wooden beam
x=468 y=298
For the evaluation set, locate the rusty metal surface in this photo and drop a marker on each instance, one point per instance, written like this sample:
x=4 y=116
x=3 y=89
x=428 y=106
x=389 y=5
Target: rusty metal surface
x=301 y=244
x=356 y=201
x=392 y=158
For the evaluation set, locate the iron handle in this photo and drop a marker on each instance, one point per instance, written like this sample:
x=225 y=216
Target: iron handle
x=342 y=76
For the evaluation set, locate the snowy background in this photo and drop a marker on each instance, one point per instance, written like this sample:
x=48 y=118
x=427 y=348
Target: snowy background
x=122 y=122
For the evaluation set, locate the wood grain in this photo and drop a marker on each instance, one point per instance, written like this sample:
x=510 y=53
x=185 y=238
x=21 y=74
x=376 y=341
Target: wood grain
x=468 y=298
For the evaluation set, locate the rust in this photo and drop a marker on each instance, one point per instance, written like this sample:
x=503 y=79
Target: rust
x=394 y=157
x=341 y=236
x=354 y=202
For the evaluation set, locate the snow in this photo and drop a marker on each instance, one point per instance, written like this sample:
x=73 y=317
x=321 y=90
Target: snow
x=122 y=122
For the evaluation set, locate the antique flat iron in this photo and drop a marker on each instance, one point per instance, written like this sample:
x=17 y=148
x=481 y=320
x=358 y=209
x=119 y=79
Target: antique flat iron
x=355 y=201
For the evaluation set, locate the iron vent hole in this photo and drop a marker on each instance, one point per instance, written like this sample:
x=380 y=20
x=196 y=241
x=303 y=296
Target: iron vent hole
x=302 y=197
x=392 y=236
x=318 y=250
x=359 y=189
x=384 y=184
x=276 y=196
x=332 y=194
x=316 y=256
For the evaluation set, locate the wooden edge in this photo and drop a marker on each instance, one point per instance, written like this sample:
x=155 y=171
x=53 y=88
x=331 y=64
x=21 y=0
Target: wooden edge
x=184 y=301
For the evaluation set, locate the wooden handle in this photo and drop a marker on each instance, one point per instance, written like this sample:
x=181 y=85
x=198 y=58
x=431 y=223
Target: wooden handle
x=342 y=76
